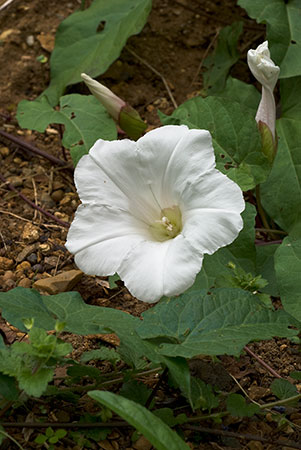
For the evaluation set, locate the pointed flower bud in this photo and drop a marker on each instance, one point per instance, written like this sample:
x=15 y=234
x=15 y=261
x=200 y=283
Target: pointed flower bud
x=267 y=73
x=127 y=117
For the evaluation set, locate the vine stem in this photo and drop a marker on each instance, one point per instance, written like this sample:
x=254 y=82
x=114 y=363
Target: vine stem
x=260 y=208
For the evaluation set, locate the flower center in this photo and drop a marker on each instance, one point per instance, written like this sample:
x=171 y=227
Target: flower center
x=168 y=226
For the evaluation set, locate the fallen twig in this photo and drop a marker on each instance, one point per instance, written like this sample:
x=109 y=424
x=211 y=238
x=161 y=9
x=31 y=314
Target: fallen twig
x=261 y=362
x=248 y=437
x=31 y=148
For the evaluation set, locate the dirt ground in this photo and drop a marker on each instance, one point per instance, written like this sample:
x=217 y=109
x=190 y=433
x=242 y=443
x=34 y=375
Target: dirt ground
x=174 y=41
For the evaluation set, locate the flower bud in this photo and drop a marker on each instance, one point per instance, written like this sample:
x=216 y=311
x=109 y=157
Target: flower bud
x=267 y=73
x=127 y=117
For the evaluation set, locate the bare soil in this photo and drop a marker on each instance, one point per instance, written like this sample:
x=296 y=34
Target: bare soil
x=174 y=42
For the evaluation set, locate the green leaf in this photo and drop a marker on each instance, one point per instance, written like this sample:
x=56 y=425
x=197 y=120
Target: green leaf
x=223 y=58
x=112 y=281
x=241 y=252
x=84 y=118
x=243 y=93
x=290 y=91
x=156 y=431
x=284 y=389
x=238 y=407
x=104 y=353
x=179 y=373
x=68 y=307
x=283 y=31
x=40 y=439
x=166 y=414
x=296 y=375
x=236 y=139
x=213 y=324
x=80 y=47
x=8 y=388
x=35 y=384
x=80 y=318
x=281 y=194
x=79 y=371
x=288 y=269
x=265 y=256
x=202 y=395
x=136 y=391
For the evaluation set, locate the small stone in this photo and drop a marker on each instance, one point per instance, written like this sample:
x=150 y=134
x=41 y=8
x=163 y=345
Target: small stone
x=30 y=233
x=57 y=195
x=5 y=263
x=60 y=283
x=45 y=248
x=25 y=282
x=30 y=40
x=142 y=444
x=50 y=262
x=57 y=185
x=38 y=268
x=25 y=265
x=4 y=151
x=25 y=252
x=8 y=275
x=10 y=284
x=32 y=258
x=255 y=445
x=106 y=445
x=62 y=216
x=15 y=181
x=47 y=200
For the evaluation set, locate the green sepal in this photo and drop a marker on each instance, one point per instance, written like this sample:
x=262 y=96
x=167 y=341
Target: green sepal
x=131 y=122
x=268 y=142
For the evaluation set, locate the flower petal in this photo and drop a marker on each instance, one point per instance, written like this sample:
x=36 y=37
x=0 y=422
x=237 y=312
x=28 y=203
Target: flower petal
x=108 y=176
x=101 y=236
x=163 y=156
x=211 y=212
x=153 y=269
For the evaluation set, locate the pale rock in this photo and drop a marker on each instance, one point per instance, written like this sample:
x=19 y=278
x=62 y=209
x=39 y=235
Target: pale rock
x=25 y=252
x=142 y=444
x=25 y=283
x=60 y=283
x=5 y=263
x=30 y=233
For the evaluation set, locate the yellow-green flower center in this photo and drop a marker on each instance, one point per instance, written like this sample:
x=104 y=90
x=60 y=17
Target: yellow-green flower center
x=168 y=226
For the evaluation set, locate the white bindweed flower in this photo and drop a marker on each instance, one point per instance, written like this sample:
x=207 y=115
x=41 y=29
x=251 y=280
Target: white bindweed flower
x=110 y=101
x=127 y=117
x=267 y=73
x=151 y=209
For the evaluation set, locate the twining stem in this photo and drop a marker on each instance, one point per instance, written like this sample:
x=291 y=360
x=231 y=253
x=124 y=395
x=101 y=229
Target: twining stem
x=283 y=401
x=11 y=438
x=260 y=208
x=123 y=423
x=269 y=230
x=158 y=384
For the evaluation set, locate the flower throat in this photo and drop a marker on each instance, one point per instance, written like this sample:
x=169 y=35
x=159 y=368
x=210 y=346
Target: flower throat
x=168 y=226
